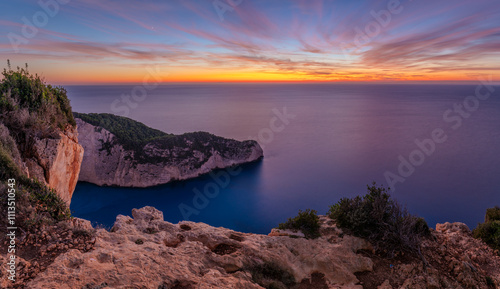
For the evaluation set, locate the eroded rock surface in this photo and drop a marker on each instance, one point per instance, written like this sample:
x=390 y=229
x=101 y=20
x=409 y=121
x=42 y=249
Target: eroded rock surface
x=54 y=161
x=147 y=252
x=454 y=260
x=60 y=160
x=144 y=251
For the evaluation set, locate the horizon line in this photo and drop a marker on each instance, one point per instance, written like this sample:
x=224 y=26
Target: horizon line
x=448 y=82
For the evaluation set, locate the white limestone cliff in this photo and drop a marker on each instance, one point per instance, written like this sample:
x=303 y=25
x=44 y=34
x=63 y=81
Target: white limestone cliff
x=108 y=163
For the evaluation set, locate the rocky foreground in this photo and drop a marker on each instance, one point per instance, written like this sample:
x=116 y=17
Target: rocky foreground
x=147 y=252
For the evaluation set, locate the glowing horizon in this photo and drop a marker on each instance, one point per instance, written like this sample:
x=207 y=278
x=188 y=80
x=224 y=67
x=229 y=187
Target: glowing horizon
x=101 y=42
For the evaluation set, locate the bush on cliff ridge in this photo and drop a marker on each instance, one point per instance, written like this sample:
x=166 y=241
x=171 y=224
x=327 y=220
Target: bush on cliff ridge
x=27 y=102
x=307 y=222
x=489 y=231
x=29 y=108
x=492 y=214
x=381 y=220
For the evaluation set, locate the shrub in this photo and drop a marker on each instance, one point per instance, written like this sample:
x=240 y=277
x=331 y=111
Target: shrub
x=82 y=233
x=492 y=214
x=270 y=275
x=45 y=199
x=307 y=222
x=47 y=106
x=47 y=206
x=381 y=220
x=29 y=109
x=490 y=282
x=489 y=231
x=8 y=169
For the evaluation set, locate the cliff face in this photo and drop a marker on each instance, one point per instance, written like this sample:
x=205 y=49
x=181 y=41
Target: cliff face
x=38 y=133
x=107 y=162
x=56 y=162
x=147 y=252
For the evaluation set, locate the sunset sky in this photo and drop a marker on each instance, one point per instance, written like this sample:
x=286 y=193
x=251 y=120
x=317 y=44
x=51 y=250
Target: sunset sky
x=114 y=41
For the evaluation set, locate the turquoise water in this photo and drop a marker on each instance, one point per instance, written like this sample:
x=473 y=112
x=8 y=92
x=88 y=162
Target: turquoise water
x=341 y=138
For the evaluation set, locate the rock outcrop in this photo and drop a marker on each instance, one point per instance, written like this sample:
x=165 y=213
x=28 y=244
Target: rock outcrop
x=453 y=259
x=53 y=160
x=57 y=162
x=147 y=252
x=107 y=162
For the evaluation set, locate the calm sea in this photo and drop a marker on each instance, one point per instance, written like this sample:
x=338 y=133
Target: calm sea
x=341 y=138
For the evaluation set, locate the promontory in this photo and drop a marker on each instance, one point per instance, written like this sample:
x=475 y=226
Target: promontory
x=122 y=152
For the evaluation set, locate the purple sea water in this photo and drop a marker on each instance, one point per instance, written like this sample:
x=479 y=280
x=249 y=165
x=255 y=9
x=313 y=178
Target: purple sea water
x=343 y=137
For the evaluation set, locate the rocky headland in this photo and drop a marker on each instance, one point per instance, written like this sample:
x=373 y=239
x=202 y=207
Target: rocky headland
x=114 y=159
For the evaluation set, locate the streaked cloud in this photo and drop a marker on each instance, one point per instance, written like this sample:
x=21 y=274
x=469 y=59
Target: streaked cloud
x=263 y=40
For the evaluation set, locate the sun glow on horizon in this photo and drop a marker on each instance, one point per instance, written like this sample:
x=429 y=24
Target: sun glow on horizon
x=98 y=42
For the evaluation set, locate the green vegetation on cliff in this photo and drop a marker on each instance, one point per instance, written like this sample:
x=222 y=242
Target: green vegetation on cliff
x=36 y=204
x=489 y=231
x=381 y=220
x=307 y=222
x=28 y=109
x=129 y=133
x=26 y=101
x=375 y=217
x=134 y=136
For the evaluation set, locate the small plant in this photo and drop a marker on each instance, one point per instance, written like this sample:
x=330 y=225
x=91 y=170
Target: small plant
x=489 y=281
x=139 y=241
x=492 y=214
x=150 y=231
x=46 y=199
x=82 y=233
x=381 y=220
x=489 y=231
x=307 y=222
x=271 y=276
x=22 y=91
x=276 y=285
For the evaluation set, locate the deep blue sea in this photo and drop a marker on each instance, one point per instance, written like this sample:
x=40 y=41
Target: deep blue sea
x=336 y=139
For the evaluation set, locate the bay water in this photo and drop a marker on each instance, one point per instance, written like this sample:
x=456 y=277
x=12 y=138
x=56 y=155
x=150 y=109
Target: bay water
x=321 y=142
